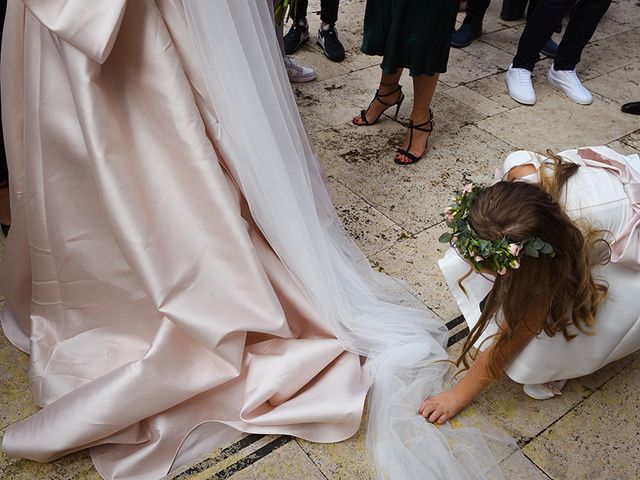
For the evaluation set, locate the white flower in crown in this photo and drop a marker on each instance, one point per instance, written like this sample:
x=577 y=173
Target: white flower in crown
x=515 y=264
x=478 y=258
x=514 y=249
x=502 y=271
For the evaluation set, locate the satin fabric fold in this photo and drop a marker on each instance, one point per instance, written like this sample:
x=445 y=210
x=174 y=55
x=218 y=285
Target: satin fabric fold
x=152 y=302
x=91 y=30
x=625 y=249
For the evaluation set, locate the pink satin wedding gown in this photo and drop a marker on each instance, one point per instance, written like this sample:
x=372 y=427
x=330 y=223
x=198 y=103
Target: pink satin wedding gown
x=148 y=299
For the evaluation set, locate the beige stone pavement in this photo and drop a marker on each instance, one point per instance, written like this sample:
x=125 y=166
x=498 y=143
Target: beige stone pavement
x=592 y=431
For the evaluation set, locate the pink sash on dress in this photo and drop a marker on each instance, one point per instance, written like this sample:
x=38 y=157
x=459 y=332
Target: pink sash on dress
x=625 y=249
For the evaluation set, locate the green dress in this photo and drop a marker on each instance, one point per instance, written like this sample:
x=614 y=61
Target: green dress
x=413 y=34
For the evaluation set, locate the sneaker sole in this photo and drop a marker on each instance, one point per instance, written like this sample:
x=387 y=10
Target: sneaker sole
x=303 y=80
x=303 y=39
x=571 y=97
x=522 y=100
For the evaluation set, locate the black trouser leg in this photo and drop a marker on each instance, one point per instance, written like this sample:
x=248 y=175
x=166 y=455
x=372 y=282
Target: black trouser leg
x=329 y=11
x=539 y=28
x=583 y=23
x=475 y=12
x=4 y=173
x=513 y=9
x=301 y=10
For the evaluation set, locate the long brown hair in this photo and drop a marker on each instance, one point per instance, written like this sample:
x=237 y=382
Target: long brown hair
x=560 y=289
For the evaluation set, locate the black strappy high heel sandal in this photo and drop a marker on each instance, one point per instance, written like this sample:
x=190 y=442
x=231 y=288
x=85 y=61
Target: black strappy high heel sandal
x=423 y=127
x=378 y=97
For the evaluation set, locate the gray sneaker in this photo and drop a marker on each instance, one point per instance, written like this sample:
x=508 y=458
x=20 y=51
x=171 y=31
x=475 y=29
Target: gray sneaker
x=298 y=73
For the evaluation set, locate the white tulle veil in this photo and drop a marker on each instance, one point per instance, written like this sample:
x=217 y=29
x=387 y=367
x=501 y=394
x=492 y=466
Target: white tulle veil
x=278 y=172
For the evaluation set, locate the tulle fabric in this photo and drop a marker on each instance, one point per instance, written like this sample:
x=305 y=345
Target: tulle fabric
x=268 y=153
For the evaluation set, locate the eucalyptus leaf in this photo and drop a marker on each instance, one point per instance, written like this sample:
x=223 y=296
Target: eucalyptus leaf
x=547 y=249
x=445 y=238
x=531 y=251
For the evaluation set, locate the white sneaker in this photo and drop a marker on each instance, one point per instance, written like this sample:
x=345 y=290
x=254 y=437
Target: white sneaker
x=570 y=84
x=520 y=86
x=298 y=73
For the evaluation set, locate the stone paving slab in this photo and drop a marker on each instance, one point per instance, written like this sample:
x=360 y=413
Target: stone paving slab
x=369 y=228
x=414 y=196
x=609 y=54
x=14 y=378
x=415 y=261
x=519 y=467
x=599 y=123
x=76 y=466
x=342 y=461
x=603 y=431
x=621 y=85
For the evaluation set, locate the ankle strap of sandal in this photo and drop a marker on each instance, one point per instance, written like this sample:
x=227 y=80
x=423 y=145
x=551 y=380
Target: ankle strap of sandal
x=379 y=95
x=423 y=126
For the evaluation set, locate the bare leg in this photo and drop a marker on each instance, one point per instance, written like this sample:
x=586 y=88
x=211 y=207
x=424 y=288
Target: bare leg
x=423 y=88
x=388 y=83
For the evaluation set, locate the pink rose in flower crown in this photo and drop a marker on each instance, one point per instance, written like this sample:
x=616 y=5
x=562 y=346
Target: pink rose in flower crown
x=467 y=188
x=514 y=249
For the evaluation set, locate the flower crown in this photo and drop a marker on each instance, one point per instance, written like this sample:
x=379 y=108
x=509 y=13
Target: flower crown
x=497 y=255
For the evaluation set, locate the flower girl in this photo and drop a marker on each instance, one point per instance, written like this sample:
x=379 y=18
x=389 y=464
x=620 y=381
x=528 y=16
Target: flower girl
x=554 y=249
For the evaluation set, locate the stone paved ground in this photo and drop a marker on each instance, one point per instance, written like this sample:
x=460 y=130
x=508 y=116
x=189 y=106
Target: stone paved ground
x=592 y=431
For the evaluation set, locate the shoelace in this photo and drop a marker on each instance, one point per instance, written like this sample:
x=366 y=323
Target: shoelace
x=289 y=63
x=523 y=77
x=573 y=76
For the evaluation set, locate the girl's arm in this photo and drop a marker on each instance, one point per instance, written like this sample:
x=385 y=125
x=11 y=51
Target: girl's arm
x=448 y=404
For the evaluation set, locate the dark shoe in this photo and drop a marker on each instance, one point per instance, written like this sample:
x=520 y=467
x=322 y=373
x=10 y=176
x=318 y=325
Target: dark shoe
x=297 y=35
x=633 y=108
x=328 y=40
x=378 y=97
x=550 y=49
x=466 y=34
x=423 y=127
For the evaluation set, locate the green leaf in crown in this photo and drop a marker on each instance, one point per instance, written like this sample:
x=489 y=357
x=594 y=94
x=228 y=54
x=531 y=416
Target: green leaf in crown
x=497 y=255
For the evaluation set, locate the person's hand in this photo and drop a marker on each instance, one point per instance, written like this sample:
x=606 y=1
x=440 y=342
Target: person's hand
x=442 y=407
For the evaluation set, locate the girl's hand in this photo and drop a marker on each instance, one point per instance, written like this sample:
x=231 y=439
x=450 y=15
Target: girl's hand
x=442 y=407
